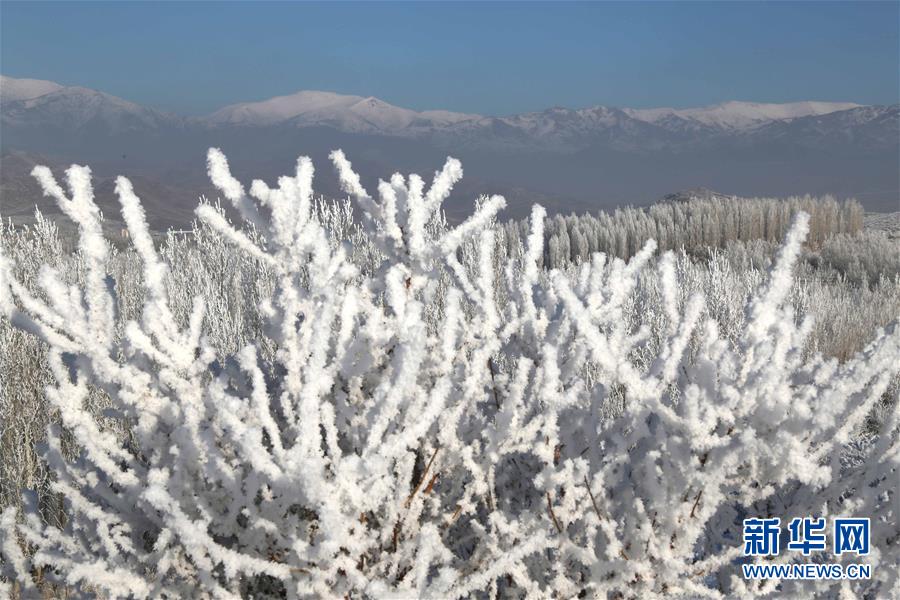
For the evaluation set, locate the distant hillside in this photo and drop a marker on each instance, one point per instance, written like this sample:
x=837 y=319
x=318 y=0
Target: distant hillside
x=20 y=194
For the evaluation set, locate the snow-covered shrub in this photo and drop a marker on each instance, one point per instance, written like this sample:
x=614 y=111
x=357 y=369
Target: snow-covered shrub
x=203 y=264
x=417 y=417
x=866 y=258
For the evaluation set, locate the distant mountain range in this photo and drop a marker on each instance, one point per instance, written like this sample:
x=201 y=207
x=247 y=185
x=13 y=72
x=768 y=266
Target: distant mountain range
x=567 y=159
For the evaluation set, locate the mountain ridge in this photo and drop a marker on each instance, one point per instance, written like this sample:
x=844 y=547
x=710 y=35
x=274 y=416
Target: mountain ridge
x=567 y=159
x=355 y=114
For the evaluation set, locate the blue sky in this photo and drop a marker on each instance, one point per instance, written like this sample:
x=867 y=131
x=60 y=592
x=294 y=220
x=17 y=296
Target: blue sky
x=489 y=58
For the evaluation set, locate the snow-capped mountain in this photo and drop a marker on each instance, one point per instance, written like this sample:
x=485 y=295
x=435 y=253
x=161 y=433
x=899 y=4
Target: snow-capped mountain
x=558 y=126
x=12 y=90
x=344 y=112
x=573 y=158
x=48 y=105
x=558 y=129
x=42 y=104
x=737 y=115
x=867 y=127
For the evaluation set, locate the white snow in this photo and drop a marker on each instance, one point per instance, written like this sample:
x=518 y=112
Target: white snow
x=75 y=106
x=280 y=108
x=347 y=112
x=739 y=115
x=12 y=89
x=382 y=115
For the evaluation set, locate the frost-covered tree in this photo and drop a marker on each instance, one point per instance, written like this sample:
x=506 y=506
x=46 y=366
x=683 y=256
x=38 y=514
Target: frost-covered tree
x=694 y=223
x=422 y=417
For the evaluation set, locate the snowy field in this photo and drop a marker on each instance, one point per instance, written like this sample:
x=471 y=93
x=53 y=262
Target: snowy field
x=355 y=399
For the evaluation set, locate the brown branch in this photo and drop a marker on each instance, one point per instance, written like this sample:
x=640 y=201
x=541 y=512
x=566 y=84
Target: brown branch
x=454 y=516
x=398 y=527
x=696 y=502
x=552 y=514
x=431 y=483
x=395 y=537
x=490 y=362
x=421 y=479
x=593 y=500
x=596 y=510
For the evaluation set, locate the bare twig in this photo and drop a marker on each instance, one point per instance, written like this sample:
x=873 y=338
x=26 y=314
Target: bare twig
x=421 y=479
x=696 y=502
x=454 y=516
x=431 y=483
x=490 y=362
x=552 y=514
x=593 y=500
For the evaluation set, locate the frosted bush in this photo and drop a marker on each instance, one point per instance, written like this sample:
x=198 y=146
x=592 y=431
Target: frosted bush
x=864 y=258
x=415 y=416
